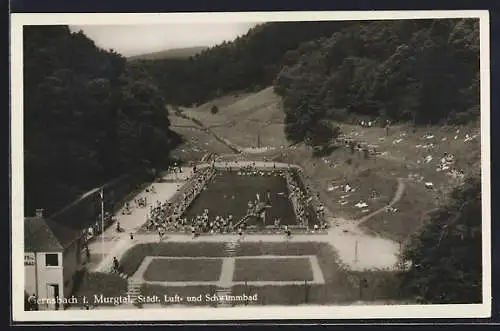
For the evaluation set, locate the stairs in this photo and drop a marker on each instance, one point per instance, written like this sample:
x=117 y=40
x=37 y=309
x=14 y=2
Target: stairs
x=119 y=273
x=225 y=286
x=134 y=290
x=230 y=248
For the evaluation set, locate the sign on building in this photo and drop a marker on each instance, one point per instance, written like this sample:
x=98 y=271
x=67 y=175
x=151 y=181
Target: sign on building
x=29 y=258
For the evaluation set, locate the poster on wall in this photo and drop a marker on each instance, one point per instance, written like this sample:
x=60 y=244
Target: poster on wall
x=29 y=259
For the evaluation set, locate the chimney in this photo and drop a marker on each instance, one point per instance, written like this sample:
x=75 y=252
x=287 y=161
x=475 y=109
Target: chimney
x=39 y=212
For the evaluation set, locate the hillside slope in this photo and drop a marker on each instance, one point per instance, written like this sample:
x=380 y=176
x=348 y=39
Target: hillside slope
x=173 y=53
x=405 y=153
x=243 y=118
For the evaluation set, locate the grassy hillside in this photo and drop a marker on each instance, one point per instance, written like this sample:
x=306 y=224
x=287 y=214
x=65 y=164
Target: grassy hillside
x=175 y=53
x=242 y=118
x=403 y=153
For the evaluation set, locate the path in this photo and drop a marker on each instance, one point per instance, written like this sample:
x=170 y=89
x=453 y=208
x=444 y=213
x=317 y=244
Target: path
x=111 y=242
x=397 y=196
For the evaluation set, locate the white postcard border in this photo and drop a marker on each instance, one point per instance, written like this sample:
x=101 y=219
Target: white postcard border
x=243 y=313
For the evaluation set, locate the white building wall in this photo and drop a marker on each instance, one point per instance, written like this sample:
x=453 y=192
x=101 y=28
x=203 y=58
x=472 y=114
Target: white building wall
x=49 y=275
x=29 y=274
x=72 y=263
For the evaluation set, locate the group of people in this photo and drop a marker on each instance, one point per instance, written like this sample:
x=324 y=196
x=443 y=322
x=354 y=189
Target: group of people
x=168 y=215
x=299 y=200
x=303 y=202
x=205 y=224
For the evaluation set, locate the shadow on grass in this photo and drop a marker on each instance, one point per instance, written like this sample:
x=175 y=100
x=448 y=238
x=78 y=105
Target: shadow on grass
x=91 y=284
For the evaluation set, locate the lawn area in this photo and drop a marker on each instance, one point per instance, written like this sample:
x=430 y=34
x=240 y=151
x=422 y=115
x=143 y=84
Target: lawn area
x=285 y=269
x=230 y=193
x=187 y=270
x=182 y=291
x=284 y=248
x=97 y=283
x=402 y=154
x=341 y=286
x=327 y=175
x=244 y=117
x=133 y=258
x=400 y=225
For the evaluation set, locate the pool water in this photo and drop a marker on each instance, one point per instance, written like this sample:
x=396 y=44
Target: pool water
x=229 y=193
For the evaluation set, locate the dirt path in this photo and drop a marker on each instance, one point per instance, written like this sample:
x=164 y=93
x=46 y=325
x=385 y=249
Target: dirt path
x=397 y=196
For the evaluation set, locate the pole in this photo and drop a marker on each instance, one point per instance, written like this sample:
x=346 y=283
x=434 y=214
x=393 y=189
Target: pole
x=306 y=292
x=37 y=288
x=356 y=252
x=360 y=288
x=102 y=222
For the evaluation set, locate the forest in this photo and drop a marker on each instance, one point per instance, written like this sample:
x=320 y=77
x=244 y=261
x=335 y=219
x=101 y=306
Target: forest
x=419 y=71
x=89 y=117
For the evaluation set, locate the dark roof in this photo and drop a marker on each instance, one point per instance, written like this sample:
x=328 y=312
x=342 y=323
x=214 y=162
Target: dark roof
x=44 y=235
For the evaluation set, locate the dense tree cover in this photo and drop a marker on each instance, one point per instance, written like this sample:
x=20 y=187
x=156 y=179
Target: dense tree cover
x=445 y=258
x=424 y=71
x=248 y=63
x=88 y=117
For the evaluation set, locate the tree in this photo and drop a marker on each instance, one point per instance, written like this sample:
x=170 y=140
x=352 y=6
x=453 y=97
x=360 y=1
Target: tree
x=403 y=70
x=89 y=117
x=445 y=257
x=321 y=133
x=248 y=63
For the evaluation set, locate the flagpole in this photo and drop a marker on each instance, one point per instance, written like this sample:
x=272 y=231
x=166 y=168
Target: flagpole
x=102 y=223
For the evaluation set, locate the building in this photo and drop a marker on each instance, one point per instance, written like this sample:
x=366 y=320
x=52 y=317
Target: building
x=53 y=255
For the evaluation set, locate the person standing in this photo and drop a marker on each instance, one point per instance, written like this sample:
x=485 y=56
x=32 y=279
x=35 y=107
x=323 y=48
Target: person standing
x=116 y=265
x=287 y=232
